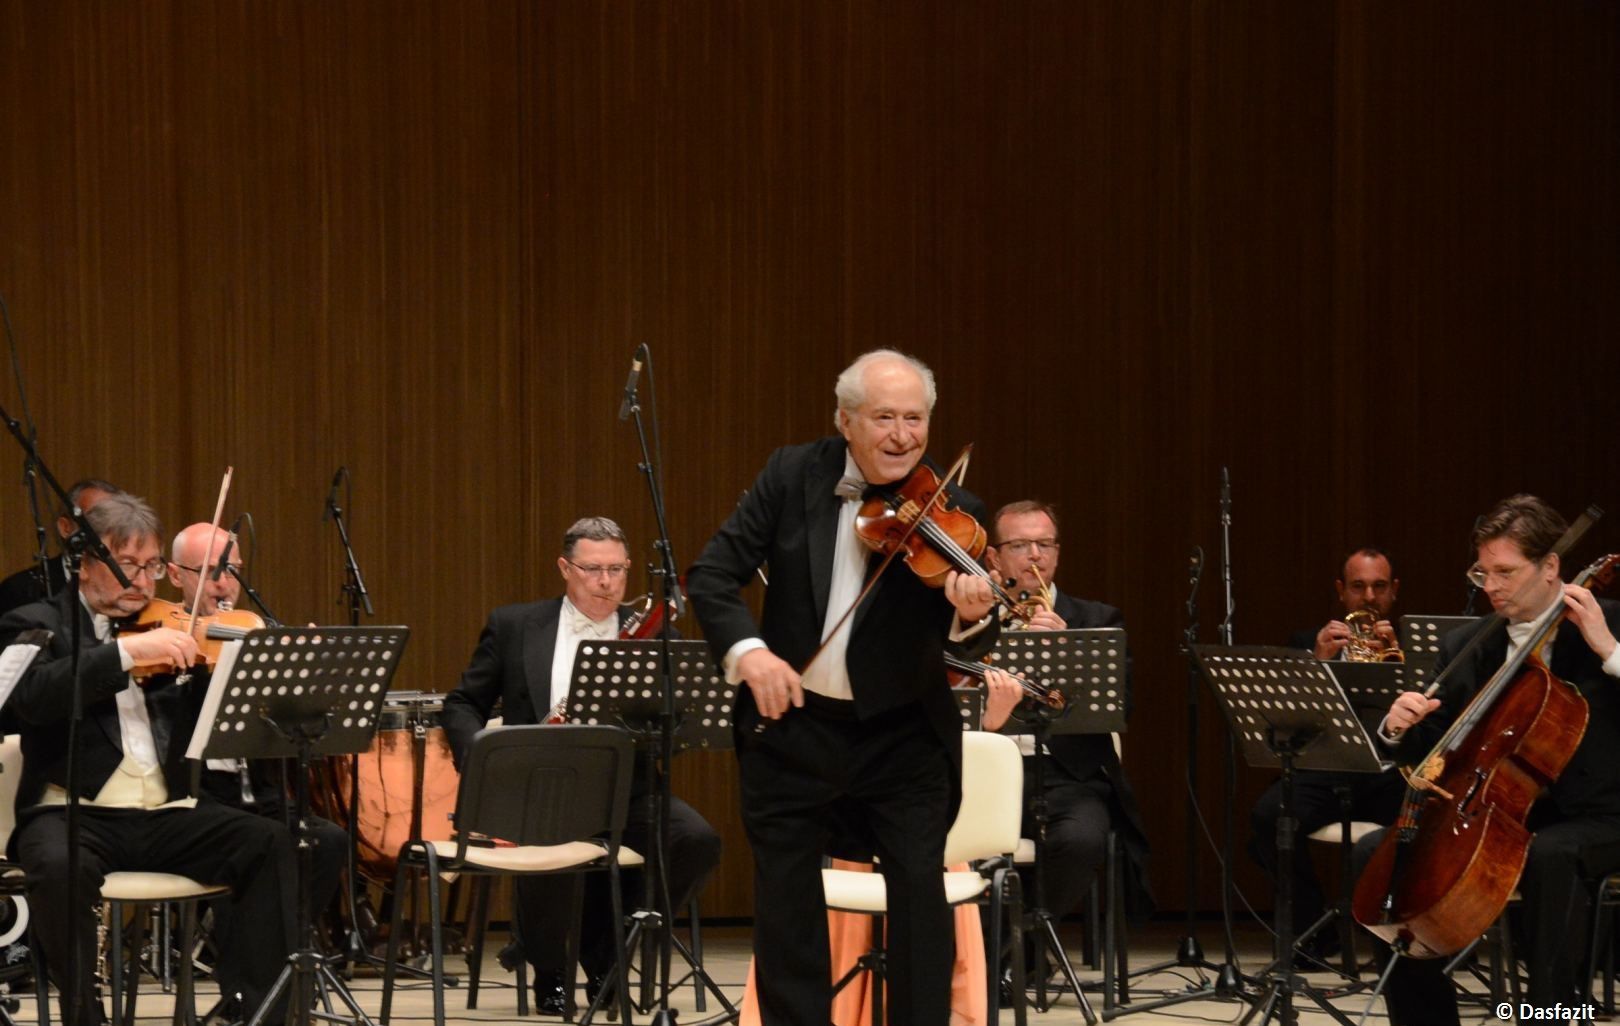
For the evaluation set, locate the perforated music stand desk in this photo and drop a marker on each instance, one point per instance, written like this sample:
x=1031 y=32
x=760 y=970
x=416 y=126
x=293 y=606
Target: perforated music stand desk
x=298 y=692
x=1286 y=709
x=1420 y=640
x=618 y=683
x=1087 y=665
x=1289 y=691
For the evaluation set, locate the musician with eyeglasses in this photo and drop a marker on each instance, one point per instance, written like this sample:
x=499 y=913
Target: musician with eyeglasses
x=523 y=664
x=1087 y=793
x=138 y=812
x=1576 y=822
x=258 y=786
x=1366 y=584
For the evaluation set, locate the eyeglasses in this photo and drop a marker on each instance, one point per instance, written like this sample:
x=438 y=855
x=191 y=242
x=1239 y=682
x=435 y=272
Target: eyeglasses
x=612 y=570
x=1478 y=576
x=153 y=569
x=234 y=568
x=1022 y=546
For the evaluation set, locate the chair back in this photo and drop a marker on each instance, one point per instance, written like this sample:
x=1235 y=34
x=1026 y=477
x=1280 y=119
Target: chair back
x=546 y=784
x=992 y=811
x=11 y=759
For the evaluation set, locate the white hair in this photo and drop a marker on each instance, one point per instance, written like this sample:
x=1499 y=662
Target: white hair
x=850 y=388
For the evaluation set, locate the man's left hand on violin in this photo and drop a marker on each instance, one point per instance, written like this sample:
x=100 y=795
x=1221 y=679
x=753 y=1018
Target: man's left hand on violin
x=1002 y=695
x=970 y=595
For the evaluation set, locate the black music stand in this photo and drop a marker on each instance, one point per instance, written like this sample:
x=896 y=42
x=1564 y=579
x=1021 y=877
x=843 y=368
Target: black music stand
x=1089 y=668
x=619 y=683
x=1420 y=640
x=1286 y=710
x=300 y=692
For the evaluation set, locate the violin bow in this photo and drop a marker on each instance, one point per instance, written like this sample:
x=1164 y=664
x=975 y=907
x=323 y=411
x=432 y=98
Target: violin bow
x=208 y=549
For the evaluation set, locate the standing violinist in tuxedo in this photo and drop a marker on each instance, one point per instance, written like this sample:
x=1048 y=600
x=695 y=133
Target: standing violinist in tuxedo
x=870 y=727
x=133 y=781
x=1086 y=791
x=1576 y=822
x=524 y=662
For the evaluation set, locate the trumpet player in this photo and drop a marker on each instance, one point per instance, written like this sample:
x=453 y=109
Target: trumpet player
x=1366 y=590
x=1086 y=790
x=1367 y=586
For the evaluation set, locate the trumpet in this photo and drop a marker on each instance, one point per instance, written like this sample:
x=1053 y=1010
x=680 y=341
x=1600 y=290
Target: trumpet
x=1365 y=646
x=1029 y=602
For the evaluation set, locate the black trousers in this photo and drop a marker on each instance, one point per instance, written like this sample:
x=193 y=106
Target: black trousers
x=210 y=843
x=1374 y=798
x=693 y=852
x=893 y=773
x=1077 y=826
x=1565 y=859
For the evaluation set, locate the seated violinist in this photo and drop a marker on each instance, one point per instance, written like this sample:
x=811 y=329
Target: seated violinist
x=1576 y=822
x=258 y=786
x=524 y=662
x=137 y=811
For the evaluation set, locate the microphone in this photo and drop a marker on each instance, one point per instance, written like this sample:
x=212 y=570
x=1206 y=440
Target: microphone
x=331 y=496
x=630 y=382
x=1226 y=497
x=224 y=555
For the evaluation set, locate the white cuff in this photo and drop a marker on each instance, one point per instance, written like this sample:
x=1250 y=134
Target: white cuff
x=125 y=660
x=960 y=633
x=1391 y=740
x=736 y=652
x=1611 y=665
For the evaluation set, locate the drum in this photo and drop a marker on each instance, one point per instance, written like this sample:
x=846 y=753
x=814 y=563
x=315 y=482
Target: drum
x=407 y=784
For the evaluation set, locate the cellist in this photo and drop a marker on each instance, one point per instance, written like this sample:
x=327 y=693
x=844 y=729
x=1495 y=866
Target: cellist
x=1576 y=824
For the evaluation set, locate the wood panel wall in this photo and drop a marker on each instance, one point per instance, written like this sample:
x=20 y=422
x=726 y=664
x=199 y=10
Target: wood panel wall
x=1363 y=254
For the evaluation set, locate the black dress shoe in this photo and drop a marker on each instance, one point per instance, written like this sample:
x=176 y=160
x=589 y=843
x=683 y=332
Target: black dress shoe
x=593 y=985
x=550 y=997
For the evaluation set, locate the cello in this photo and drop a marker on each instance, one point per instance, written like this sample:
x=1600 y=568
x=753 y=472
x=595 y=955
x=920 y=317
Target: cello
x=1445 y=870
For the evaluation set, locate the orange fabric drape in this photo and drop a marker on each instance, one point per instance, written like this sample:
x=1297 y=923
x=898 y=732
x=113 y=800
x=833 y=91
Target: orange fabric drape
x=850 y=936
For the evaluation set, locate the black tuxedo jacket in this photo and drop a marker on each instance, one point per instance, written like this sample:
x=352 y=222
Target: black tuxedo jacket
x=1086 y=755
x=1590 y=784
x=1089 y=756
x=23 y=587
x=42 y=704
x=898 y=634
x=512 y=665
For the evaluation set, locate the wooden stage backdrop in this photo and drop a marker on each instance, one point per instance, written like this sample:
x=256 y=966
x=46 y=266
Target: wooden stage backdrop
x=1362 y=253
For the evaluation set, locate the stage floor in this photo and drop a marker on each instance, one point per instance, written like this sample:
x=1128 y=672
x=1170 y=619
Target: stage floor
x=727 y=953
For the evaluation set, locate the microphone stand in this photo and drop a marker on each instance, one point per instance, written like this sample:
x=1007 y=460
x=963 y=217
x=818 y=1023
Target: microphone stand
x=358 y=601
x=1228 y=983
x=41 y=557
x=1230 y=980
x=83 y=541
x=675 y=604
x=253 y=596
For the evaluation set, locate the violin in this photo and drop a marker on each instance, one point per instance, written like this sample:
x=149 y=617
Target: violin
x=959 y=669
x=914 y=516
x=210 y=632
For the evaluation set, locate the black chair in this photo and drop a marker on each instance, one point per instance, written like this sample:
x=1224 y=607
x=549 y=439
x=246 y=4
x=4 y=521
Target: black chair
x=559 y=794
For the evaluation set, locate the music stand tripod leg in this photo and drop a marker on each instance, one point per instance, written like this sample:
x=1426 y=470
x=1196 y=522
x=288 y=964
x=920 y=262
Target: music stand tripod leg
x=1047 y=940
